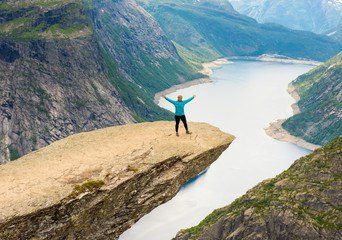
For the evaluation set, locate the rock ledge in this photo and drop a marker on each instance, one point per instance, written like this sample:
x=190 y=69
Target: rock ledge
x=141 y=165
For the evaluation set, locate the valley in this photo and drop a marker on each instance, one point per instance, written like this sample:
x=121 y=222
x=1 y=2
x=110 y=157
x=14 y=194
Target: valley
x=81 y=69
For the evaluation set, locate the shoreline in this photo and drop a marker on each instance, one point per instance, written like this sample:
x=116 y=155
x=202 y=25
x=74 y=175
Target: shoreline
x=279 y=58
x=217 y=63
x=276 y=131
x=206 y=71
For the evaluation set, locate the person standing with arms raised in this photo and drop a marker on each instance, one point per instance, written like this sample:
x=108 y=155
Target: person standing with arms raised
x=179 y=113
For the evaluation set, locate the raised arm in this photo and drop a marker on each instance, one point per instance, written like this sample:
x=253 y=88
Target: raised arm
x=189 y=99
x=170 y=100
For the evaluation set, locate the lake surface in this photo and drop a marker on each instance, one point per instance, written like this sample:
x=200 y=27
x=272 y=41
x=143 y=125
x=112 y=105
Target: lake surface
x=245 y=97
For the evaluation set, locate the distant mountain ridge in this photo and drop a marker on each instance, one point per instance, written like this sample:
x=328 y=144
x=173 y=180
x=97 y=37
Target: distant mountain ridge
x=203 y=31
x=317 y=16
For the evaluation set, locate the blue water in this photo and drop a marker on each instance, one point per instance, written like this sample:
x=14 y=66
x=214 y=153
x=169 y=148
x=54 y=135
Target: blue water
x=245 y=97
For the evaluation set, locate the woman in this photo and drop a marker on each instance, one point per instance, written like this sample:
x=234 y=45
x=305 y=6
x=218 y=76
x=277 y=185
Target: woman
x=179 y=113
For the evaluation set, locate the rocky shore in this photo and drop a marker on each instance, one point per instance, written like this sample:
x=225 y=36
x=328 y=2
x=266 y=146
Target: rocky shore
x=275 y=130
x=207 y=66
x=279 y=58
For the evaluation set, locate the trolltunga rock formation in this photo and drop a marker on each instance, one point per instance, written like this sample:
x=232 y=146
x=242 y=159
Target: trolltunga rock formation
x=95 y=185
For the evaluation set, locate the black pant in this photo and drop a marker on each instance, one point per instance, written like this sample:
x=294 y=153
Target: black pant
x=177 y=118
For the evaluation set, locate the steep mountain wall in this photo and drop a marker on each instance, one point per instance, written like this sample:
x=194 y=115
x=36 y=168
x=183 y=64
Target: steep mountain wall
x=320 y=104
x=69 y=66
x=303 y=202
x=95 y=185
x=52 y=79
x=136 y=46
x=125 y=27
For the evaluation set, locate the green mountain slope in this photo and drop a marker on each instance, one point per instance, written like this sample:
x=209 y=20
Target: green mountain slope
x=69 y=66
x=134 y=45
x=303 y=202
x=140 y=49
x=320 y=92
x=204 y=32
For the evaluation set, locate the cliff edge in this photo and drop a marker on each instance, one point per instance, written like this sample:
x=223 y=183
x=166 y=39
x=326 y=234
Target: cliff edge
x=95 y=185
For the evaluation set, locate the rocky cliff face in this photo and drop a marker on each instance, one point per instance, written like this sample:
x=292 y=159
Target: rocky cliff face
x=95 y=185
x=303 y=202
x=139 y=33
x=134 y=39
x=51 y=79
x=52 y=90
x=70 y=66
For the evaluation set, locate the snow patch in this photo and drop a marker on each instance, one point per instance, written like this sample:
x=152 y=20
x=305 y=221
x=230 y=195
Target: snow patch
x=332 y=33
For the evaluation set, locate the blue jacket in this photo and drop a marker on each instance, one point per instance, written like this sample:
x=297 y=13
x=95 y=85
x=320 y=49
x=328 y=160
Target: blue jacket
x=179 y=105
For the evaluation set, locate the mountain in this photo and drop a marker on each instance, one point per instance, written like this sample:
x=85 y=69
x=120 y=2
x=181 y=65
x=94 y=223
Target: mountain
x=70 y=66
x=303 y=202
x=316 y=16
x=205 y=30
x=140 y=48
x=335 y=33
x=320 y=92
x=95 y=185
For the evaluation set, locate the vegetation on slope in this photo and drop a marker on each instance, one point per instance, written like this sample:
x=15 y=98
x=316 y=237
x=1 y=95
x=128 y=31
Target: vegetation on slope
x=208 y=32
x=139 y=101
x=320 y=103
x=57 y=19
x=135 y=48
x=303 y=202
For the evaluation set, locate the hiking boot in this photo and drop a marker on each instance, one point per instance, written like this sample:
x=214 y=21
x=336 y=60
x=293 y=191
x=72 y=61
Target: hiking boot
x=187 y=132
x=177 y=134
